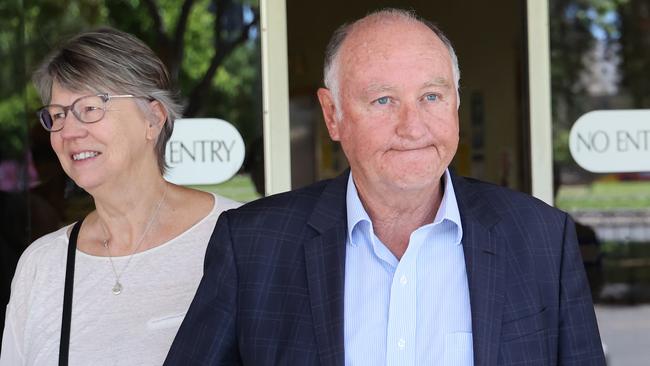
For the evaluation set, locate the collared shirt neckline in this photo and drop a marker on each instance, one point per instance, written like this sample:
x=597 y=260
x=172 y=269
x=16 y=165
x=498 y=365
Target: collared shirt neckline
x=448 y=210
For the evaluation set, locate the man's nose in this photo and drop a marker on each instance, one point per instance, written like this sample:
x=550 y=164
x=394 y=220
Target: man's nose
x=411 y=122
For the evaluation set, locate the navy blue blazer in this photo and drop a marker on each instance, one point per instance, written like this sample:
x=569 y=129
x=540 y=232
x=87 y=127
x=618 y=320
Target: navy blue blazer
x=272 y=289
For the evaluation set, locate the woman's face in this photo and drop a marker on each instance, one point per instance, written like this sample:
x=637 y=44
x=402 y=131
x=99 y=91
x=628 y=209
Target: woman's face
x=113 y=151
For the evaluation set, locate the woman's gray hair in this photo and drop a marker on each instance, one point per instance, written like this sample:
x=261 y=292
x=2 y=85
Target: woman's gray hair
x=108 y=60
x=332 y=62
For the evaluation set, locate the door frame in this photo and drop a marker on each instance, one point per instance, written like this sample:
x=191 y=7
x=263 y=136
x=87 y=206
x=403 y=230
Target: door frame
x=275 y=90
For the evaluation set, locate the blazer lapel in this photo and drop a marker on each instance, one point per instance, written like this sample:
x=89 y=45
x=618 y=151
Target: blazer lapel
x=485 y=263
x=325 y=263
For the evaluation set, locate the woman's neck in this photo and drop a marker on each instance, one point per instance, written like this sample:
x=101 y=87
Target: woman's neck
x=126 y=218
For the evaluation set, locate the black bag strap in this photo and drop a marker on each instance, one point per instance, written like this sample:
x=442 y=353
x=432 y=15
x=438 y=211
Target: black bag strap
x=64 y=344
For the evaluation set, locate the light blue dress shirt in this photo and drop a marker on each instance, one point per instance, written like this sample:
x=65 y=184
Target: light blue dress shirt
x=413 y=311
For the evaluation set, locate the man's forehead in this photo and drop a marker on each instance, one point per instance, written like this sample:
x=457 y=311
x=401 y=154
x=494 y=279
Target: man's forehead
x=376 y=34
x=370 y=51
x=391 y=42
x=375 y=86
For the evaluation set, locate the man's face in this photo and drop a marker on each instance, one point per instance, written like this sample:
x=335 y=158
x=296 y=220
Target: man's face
x=398 y=121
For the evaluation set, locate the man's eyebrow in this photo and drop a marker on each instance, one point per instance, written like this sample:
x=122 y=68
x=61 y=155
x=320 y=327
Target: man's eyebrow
x=437 y=83
x=377 y=88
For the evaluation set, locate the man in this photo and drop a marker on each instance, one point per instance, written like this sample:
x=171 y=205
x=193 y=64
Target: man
x=398 y=261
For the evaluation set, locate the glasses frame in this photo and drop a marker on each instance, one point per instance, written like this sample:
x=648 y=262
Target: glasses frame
x=105 y=98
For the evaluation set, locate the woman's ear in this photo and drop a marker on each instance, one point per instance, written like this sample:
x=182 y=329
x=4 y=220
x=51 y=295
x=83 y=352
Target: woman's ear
x=157 y=118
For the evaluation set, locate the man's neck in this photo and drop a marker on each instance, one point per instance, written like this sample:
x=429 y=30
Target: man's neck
x=395 y=215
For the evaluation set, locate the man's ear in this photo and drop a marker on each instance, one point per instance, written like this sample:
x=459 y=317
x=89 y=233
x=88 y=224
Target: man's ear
x=157 y=119
x=328 y=106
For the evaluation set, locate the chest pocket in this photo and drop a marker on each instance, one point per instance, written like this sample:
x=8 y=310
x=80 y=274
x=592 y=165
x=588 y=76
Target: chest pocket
x=165 y=322
x=459 y=349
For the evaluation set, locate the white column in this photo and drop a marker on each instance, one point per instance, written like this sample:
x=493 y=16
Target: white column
x=539 y=76
x=275 y=93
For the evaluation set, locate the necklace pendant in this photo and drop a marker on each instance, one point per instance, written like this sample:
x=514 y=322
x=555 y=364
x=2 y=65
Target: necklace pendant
x=117 y=288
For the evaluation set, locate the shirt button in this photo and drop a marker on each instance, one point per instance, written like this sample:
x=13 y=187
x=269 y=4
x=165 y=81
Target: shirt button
x=403 y=280
x=401 y=344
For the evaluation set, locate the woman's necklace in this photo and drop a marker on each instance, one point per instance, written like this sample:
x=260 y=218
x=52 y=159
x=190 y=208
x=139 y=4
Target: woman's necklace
x=117 y=287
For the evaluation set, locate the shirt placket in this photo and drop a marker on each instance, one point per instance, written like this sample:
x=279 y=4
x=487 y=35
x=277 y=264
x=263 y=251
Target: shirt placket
x=402 y=312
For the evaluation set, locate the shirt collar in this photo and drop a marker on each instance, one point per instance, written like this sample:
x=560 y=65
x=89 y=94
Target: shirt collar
x=448 y=209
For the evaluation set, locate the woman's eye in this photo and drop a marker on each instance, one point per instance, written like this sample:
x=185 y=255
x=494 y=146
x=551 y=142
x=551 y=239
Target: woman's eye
x=383 y=100
x=431 y=97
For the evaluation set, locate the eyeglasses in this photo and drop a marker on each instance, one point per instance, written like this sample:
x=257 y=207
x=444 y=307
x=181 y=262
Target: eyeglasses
x=87 y=109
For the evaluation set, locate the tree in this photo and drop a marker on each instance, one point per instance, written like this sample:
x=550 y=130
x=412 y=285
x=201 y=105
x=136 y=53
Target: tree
x=211 y=48
x=224 y=19
x=634 y=24
x=575 y=28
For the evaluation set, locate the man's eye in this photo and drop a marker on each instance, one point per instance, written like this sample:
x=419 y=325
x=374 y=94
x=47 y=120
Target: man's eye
x=431 y=97
x=383 y=100
x=57 y=116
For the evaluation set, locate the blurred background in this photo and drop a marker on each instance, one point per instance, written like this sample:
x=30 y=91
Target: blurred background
x=599 y=57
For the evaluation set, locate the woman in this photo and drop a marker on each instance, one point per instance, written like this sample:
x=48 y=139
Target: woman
x=110 y=111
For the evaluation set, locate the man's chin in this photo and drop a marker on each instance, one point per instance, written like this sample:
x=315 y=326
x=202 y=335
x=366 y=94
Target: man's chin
x=416 y=182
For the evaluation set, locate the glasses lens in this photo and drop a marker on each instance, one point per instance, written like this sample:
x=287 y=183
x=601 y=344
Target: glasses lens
x=89 y=109
x=52 y=117
x=45 y=118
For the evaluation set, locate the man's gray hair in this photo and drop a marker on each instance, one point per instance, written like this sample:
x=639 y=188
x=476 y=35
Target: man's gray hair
x=108 y=60
x=332 y=52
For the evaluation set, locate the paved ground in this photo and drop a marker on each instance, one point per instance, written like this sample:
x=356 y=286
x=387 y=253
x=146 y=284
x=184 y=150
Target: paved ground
x=625 y=330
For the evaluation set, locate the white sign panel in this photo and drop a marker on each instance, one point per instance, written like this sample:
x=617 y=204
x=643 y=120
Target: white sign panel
x=203 y=151
x=612 y=141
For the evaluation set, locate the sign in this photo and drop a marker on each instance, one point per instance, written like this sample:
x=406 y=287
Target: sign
x=612 y=141
x=203 y=151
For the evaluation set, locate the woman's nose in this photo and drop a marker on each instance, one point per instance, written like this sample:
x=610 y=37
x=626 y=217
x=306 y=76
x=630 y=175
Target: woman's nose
x=72 y=127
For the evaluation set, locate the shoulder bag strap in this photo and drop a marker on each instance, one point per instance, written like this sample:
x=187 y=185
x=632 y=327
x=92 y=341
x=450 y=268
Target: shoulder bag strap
x=67 y=295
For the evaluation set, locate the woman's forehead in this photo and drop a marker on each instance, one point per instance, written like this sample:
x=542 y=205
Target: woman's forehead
x=66 y=91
